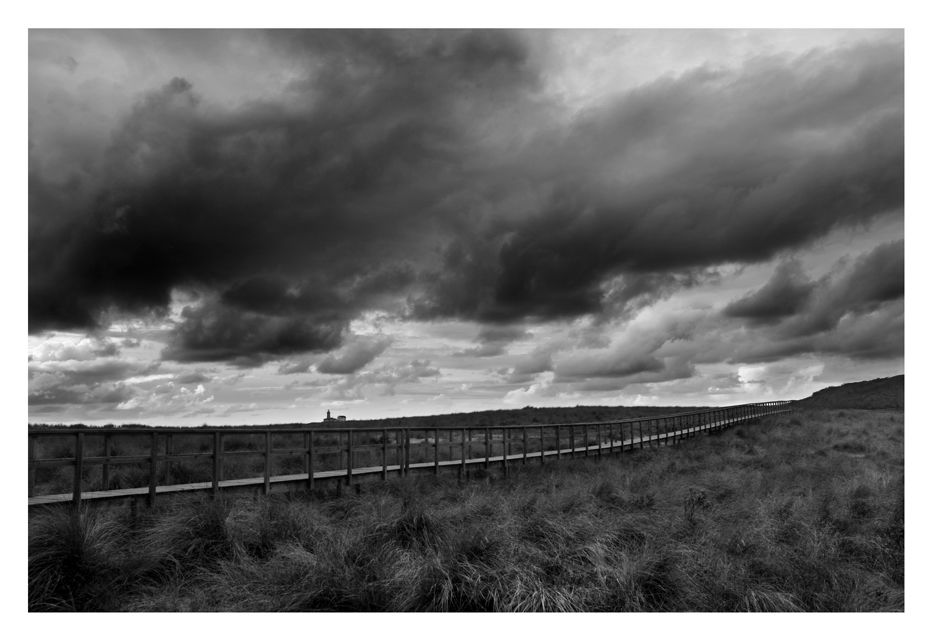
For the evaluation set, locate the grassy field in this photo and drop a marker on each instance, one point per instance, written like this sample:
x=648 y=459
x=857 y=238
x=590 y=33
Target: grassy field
x=795 y=512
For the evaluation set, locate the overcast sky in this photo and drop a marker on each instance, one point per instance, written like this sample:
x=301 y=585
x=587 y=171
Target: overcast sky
x=248 y=227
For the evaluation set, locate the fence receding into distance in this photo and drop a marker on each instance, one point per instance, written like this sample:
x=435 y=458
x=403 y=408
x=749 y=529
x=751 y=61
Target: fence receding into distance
x=75 y=464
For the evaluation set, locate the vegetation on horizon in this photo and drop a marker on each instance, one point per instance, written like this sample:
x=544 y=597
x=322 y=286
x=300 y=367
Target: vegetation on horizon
x=795 y=512
x=876 y=394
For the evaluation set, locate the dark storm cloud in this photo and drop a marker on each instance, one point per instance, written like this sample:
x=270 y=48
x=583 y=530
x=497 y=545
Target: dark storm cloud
x=492 y=340
x=875 y=278
x=639 y=357
x=856 y=310
x=785 y=294
x=529 y=365
x=299 y=366
x=713 y=166
x=214 y=331
x=872 y=280
x=666 y=370
x=626 y=295
x=871 y=335
x=191 y=378
x=426 y=173
x=330 y=182
x=354 y=356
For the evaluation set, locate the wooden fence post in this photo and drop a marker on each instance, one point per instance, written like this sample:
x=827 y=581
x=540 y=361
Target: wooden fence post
x=385 y=454
x=524 y=445
x=463 y=452
x=153 y=467
x=79 y=468
x=218 y=462
x=349 y=456
x=469 y=443
x=488 y=445
x=407 y=451
x=505 y=451
x=105 y=468
x=400 y=451
x=437 y=451
x=267 y=465
x=169 y=453
x=541 y=434
x=309 y=444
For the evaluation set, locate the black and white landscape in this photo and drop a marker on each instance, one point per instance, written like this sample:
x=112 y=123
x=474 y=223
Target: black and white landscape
x=240 y=226
x=490 y=320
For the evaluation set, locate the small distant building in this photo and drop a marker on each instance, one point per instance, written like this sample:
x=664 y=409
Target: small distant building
x=331 y=419
x=341 y=418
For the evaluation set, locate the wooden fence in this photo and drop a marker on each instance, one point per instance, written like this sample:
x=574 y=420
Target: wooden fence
x=171 y=460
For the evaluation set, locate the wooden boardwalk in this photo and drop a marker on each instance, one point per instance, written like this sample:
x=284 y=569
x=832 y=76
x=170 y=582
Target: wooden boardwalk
x=667 y=430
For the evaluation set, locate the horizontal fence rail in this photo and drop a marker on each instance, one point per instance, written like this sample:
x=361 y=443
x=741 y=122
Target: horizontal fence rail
x=87 y=463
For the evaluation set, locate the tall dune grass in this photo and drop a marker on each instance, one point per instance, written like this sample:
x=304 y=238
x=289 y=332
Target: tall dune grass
x=795 y=513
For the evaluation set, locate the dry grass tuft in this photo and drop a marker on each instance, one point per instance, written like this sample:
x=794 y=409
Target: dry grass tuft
x=794 y=513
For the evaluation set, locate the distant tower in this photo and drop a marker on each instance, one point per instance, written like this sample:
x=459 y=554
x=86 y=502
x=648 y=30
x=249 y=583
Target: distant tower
x=328 y=415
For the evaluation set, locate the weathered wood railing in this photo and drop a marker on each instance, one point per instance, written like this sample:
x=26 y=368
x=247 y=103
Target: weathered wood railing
x=359 y=451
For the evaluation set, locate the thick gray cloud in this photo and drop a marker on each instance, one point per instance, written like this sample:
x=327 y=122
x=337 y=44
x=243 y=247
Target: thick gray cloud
x=856 y=310
x=493 y=340
x=874 y=279
x=333 y=178
x=664 y=178
x=316 y=201
x=785 y=294
x=192 y=378
x=320 y=185
x=215 y=331
x=354 y=356
x=638 y=358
